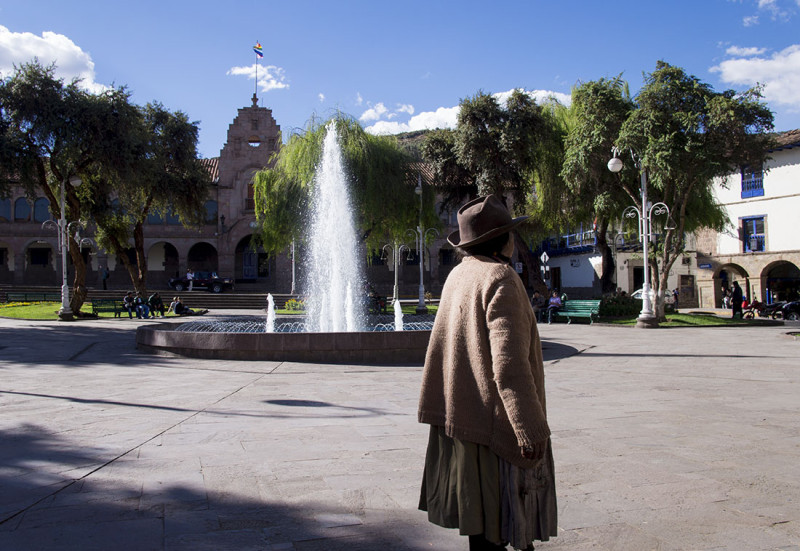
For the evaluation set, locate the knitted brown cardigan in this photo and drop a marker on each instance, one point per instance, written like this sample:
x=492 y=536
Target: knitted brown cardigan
x=484 y=379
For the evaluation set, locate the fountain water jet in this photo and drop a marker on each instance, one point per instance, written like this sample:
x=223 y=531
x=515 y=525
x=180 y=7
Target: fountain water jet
x=335 y=280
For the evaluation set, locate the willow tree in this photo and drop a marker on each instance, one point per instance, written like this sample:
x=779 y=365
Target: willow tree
x=382 y=179
x=598 y=110
x=687 y=136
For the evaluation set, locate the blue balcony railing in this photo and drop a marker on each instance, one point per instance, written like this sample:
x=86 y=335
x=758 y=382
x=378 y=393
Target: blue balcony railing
x=757 y=240
x=752 y=187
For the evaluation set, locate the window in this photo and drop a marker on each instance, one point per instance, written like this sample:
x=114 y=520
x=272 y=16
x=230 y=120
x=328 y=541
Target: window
x=752 y=182
x=447 y=257
x=5 y=210
x=211 y=213
x=154 y=217
x=22 y=210
x=753 y=234
x=41 y=210
x=39 y=257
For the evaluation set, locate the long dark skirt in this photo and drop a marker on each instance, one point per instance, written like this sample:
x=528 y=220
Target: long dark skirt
x=467 y=486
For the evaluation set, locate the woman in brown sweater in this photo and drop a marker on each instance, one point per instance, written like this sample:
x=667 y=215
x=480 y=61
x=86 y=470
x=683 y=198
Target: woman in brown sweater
x=489 y=464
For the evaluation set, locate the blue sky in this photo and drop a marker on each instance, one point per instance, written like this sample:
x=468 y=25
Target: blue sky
x=397 y=66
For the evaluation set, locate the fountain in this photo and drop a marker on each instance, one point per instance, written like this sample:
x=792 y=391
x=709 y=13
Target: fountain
x=335 y=329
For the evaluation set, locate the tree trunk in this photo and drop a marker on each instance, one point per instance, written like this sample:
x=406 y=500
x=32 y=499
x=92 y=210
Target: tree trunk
x=609 y=267
x=532 y=265
x=140 y=283
x=79 y=290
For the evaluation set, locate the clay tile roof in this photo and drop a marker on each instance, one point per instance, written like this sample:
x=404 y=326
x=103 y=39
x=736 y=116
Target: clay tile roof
x=787 y=140
x=212 y=165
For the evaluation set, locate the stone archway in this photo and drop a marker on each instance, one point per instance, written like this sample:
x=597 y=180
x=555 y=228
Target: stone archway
x=252 y=264
x=781 y=281
x=162 y=263
x=203 y=257
x=724 y=278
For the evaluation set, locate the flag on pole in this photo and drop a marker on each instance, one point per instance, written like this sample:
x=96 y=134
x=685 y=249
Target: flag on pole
x=258 y=49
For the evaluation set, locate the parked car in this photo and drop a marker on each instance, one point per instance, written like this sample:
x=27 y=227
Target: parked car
x=638 y=294
x=202 y=280
x=791 y=310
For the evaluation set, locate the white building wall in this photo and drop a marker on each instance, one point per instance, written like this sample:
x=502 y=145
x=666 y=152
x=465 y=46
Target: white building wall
x=780 y=205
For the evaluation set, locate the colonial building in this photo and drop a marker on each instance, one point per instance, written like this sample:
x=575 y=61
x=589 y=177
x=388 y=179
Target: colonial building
x=29 y=254
x=761 y=248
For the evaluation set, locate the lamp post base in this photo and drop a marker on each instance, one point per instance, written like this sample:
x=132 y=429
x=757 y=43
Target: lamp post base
x=66 y=315
x=647 y=322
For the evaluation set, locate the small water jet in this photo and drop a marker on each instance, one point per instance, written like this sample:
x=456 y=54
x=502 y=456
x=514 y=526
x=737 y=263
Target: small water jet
x=398 y=316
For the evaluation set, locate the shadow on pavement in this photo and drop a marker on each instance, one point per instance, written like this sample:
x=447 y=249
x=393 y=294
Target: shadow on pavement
x=57 y=505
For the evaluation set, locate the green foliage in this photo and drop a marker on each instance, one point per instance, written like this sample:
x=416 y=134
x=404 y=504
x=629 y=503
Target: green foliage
x=382 y=182
x=295 y=305
x=618 y=306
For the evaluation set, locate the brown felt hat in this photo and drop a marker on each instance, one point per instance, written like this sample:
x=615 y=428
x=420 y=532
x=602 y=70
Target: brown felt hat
x=482 y=219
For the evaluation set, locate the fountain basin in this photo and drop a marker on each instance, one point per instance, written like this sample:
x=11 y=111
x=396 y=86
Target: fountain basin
x=369 y=347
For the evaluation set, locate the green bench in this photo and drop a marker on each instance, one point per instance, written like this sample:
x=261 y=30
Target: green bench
x=108 y=305
x=579 y=309
x=33 y=297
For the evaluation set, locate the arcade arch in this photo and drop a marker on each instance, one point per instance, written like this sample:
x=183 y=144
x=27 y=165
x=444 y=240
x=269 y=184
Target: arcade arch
x=781 y=281
x=203 y=257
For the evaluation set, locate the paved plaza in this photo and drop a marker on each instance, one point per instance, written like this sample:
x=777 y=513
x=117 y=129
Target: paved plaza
x=669 y=439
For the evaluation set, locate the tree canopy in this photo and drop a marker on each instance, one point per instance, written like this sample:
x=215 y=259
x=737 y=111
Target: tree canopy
x=685 y=137
x=143 y=157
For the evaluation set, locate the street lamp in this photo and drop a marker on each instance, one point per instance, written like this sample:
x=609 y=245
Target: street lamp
x=420 y=234
x=646 y=318
x=65 y=313
x=397 y=250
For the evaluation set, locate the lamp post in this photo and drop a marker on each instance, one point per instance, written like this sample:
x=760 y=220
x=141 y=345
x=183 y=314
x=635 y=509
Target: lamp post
x=397 y=250
x=65 y=313
x=647 y=317
x=420 y=234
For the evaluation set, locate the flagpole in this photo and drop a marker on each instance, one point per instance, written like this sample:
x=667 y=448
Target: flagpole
x=255 y=91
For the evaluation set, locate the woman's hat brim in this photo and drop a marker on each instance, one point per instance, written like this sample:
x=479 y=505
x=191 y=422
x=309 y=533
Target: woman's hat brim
x=455 y=238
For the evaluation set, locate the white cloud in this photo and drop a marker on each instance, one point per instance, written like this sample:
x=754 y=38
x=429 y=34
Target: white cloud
x=359 y=99
x=447 y=117
x=373 y=113
x=779 y=73
x=744 y=52
x=270 y=77
x=71 y=62
x=406 y=108
x=321 y=97
x=443 y=117
x=750 y=20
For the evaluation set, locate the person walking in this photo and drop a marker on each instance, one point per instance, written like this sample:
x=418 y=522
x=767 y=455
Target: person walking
x=736 y=300
x=190 y=277
x=104 y=271
x=489 y=464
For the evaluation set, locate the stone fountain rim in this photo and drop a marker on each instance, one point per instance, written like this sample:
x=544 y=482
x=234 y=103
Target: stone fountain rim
x=360 y=348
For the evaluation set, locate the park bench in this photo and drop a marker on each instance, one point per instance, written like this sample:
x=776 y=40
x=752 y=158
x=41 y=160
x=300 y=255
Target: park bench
x=108 y=305
x=579 y=309
x=33 y=297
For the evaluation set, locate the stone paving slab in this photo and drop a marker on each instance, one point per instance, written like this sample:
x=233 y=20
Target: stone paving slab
x=665 y=439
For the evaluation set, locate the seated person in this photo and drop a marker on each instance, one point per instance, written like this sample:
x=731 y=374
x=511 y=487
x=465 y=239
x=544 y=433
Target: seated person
x=128 y=302
x=156 y=304
x=538 y=302
x=142 y=309
x=181 y=310
x=553 y=306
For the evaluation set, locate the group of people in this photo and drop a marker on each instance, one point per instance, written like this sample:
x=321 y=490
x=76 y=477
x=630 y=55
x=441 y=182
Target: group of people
x=545 y=308
x=734 y=299
x=154 y=305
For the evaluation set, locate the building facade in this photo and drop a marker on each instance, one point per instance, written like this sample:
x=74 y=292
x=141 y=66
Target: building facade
x=29 y=253
x=761 y=248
